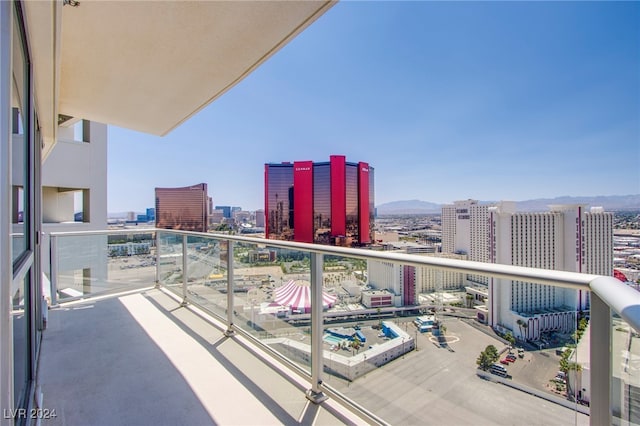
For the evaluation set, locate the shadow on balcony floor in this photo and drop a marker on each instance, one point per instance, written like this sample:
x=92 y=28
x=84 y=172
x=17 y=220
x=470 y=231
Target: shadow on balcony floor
x=141 y=359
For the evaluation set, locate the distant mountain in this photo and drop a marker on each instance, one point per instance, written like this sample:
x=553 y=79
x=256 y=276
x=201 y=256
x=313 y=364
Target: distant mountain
x=116 y=215
x=609 y=202
x=409 y=207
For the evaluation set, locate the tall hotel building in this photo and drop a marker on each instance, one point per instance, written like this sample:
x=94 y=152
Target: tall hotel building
x=465 y=232
x=325 y=203
x=184 y=208
x=566 y=238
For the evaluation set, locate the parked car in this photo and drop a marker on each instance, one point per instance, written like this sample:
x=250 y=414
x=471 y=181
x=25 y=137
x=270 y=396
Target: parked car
x=504 y=361
x=510 y=358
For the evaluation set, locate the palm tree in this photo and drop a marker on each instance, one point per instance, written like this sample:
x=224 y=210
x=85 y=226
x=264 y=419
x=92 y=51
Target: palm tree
x=469 y=299
x=520 y=324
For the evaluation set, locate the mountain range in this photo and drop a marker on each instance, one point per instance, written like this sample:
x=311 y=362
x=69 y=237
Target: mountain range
x=609 y=202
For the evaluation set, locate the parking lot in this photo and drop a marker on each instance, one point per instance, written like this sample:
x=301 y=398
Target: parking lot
x=438 y=384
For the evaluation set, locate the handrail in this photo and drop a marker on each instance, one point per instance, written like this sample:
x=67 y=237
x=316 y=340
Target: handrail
x=103 y=232
x=565 y=279
x=621 y=298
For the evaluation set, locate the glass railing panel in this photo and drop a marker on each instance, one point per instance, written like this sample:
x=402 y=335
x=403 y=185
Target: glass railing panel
x=355 y=323
x=272 y=298
x=404 y=343
x=92 y=264
x=207 y=273
x=625 y=378
x=169 y=258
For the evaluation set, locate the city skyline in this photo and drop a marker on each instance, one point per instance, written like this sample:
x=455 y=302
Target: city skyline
x=446 y=100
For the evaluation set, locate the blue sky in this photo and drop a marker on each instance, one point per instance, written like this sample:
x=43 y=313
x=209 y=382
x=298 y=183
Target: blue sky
x=446 y=100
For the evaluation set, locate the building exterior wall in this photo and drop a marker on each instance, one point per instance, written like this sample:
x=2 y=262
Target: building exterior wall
x=479 y=244
x=409 y=296
x=598 y=235
x=278 y=193
x=566 y=238
x=448 y=222
x=364 y=194
x=325 y=203
x=429 y=280
x=226 y=211
x=408 y=281
x=377 y=298
x=182 y=208
x=322 y=219
x=338 y=195
x=260 y=218
x=60 y=183
x=303 y=201
x=384 y=275
x=352 y=206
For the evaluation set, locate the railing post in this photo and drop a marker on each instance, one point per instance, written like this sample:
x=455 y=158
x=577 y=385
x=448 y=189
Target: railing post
x=600 y=371
x=53 y=268
x=317 y=362
x=157 y=259
x=230 y=305
x=185 y=273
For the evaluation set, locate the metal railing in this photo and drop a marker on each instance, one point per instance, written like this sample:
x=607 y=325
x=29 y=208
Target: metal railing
x=609 y=297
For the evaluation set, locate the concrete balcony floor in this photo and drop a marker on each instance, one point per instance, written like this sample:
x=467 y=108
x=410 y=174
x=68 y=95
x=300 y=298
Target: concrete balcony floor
x=142 y=359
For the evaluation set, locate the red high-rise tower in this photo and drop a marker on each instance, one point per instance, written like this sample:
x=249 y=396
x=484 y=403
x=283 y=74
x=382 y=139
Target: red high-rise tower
x=325 y=203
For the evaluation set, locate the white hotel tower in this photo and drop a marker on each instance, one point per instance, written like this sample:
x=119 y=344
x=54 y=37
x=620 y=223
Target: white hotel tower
x=465 y=231
x=566 y=238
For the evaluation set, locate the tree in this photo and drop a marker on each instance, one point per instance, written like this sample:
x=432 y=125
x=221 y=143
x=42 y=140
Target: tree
x=564 y=361
x=469 y=300
x=492 y=352
x=520 y=324
x=582 y=324
x=487 y=357
x=509 y=338
x=355 y=343
x=574 y=366
x=483 y=361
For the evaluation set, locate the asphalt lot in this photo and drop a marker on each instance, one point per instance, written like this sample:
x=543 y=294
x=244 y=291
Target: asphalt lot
x=439 y=385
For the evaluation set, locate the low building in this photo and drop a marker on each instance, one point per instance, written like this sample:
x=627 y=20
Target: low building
x=263 y=255
x=425 y=323
x=377 y=298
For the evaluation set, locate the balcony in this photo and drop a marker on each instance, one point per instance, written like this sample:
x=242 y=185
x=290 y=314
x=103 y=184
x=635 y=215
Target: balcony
x=167 y=327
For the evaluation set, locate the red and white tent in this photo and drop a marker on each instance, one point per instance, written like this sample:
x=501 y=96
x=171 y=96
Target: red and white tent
x=298 y=297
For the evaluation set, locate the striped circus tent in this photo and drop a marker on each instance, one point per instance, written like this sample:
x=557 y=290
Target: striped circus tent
x=298 y=297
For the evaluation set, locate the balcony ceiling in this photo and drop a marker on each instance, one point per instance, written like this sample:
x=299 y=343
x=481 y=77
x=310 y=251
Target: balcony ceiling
x=149 y=66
